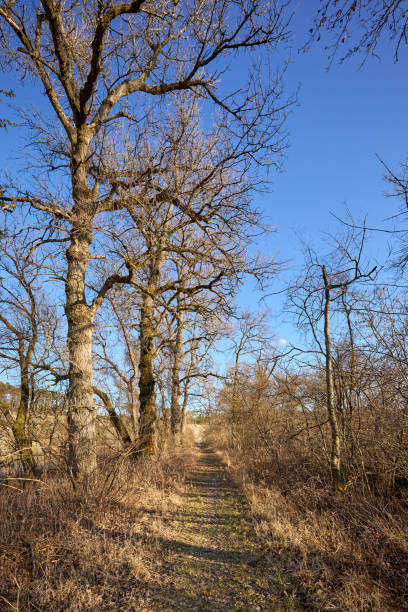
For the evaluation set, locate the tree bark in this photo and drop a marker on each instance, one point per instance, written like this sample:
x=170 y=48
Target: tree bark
x=175 y=378
x=234 y=412
x=183 y=413
x=80 y=317
x=134 y=406
x=335 y=456
x=147 y=393
x=19 y=426
x=164 y=410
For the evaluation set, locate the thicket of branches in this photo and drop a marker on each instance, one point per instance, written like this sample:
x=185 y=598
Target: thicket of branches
x=126 y=236
x=335 y=409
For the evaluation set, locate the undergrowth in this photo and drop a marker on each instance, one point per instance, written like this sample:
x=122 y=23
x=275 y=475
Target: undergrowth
x=334 y=552
x=90 y=548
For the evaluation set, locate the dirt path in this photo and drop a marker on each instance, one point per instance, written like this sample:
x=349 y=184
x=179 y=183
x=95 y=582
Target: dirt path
x=211 y=557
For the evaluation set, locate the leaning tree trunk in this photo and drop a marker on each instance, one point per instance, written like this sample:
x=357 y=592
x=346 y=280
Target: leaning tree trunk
x=115 y=419
x=335 y=456
x=147 y=393
x=175 y=377
x=80 y=317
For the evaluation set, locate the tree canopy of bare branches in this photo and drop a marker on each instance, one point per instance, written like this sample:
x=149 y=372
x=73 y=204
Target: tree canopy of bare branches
x=100 y=64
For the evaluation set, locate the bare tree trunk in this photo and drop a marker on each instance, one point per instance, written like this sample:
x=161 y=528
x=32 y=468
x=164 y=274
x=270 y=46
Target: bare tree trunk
x=164 y=410
x=80 y=316
x=83 y=111
x=175 y=378
x=19 y=426
x=234 y=412
x=147 y=394
x=134 y=406
x=335 y=456
x=183 y=413
x=131 y=382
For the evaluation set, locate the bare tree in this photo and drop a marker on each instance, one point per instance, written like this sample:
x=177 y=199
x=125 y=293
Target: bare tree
x=90 y=59
x=177 y=346
x=197 y=323
x=248 y=340
x=312 y=297
x=359 y=25
x=198 y=362
x=24 y=331
x=188 y=234
x=116 y=355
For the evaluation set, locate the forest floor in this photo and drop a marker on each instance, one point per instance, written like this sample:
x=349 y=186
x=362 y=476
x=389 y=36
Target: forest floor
x=211 y=557
x=175 y=533
x=183 y=540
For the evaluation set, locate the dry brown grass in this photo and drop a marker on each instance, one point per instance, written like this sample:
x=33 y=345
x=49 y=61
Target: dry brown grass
x=93 y=548
x=346 y=553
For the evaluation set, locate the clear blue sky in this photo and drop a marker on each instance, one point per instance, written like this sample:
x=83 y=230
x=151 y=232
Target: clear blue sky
x=345 y=117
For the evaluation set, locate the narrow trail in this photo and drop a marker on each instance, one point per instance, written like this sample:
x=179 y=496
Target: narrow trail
x=211 y=557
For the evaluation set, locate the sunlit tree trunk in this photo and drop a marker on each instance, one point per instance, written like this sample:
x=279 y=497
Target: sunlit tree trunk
x=335 y=456
x=19 y=426
x=184 y=413
x=163 y=408
x=175 y=378
x=78 y=57
x=234 y=403
x=80 y=318
x=134 y=405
